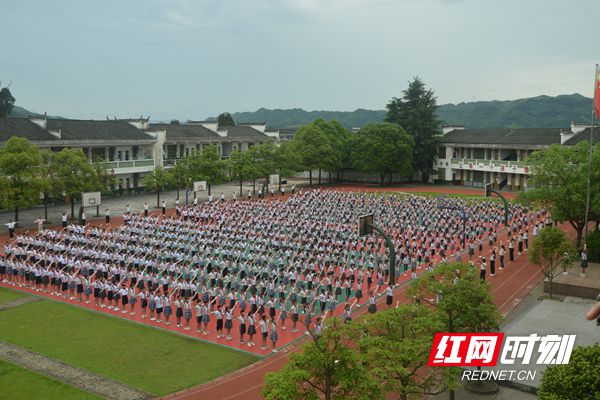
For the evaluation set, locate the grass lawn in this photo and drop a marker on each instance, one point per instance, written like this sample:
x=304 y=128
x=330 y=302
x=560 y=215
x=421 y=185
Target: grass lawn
x=7 y=295
x=154 y=361
x=19 y=383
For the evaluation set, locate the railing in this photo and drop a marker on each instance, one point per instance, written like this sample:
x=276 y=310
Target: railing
x=127 y=164
x=509 y=166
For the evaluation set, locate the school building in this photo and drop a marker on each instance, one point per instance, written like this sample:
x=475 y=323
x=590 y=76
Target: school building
x=475 y=157
x=132 y=148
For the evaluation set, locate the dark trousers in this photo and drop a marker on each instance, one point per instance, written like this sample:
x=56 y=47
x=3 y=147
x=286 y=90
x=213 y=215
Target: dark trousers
x=11 y=233
x=482 y=275
x=164 y=210
x=511 y=254
x=107 y=218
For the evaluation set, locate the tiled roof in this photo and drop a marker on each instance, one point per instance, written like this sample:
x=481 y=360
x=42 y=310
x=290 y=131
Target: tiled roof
x=22 y=127
x=244 y=132
x=584 y=135
x=525 y=136
x=71 y=129
x=178 y=131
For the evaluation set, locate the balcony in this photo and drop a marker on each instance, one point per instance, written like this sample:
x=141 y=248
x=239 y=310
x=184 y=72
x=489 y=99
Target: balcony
x=501 y=166
x=129 y=166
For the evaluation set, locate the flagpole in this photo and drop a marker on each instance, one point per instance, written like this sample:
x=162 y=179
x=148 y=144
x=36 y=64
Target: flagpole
x=589 y=174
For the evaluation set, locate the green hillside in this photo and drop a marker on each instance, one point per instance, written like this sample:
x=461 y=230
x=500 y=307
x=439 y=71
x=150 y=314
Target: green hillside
x=540 y=111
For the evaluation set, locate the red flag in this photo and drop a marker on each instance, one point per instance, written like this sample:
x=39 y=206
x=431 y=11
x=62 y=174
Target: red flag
x=597 y=94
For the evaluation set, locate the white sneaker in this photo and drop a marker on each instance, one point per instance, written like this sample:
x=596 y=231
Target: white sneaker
x=274 y=350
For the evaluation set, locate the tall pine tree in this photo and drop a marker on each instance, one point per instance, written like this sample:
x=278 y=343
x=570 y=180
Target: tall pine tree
x=416 y=113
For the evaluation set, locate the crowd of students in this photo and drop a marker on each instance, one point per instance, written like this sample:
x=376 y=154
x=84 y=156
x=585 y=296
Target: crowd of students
x=256 y=264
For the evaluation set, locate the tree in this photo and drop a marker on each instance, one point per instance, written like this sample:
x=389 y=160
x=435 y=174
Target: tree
x=327 y=368
x=174 y=122
x=463 y=302
x=285 y=161
x=241 y=166
x=577 y=380
x=558 y=182
x=395 y=346
x=339 y=140
x=225 y=119
x=73 y=174
x=312 y=148
x=157 y=181
x=416 y=112
x=549 y=251
x=7 y=101
x=179 y=175
x=20 y=163
x=382 y=149
x=207 y=166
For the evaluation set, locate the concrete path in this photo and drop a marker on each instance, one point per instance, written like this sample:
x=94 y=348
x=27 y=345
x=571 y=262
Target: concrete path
x=76 y=377
x=118 y=204
x=18 y=302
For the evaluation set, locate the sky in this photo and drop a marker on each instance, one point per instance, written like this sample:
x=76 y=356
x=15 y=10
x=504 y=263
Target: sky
x=191 y=59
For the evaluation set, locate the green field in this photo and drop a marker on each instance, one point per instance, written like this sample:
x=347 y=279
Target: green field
x=7 y=295
x=18 y=383
x=149 y=359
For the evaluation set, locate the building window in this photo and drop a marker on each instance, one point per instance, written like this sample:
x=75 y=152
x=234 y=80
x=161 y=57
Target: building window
x=134 y=152
x=171 y=151
x=111 y=153
x=441 y=152
x=181 y=150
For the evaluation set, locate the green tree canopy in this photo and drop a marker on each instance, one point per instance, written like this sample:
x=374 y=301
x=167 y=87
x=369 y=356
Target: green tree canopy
x=225 y=119
x=20 y=163
x=551 y=249
x=327 y=368
x=382 y=149
x=558 y=182
x=416 y=112
x=395 y=345
x=7 y=102
x=455 y=290
x=462 y=301
x=312 y=148
x=242 y=166
x=207 y=166
x=577 y=380
x=157 y=181
x=73 y=174
x=339 y=140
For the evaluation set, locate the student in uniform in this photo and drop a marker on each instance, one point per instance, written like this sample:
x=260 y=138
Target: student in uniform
x=178 y=310
x=83 y=218
x=389 y=296
x=264 y=331
x=143 y=295
x=132 y=300
x=11 y=228
x=251 y=329
x=372 y=306
x=294 y=313
x=274 y=334
x=163 y=207
x=242 y=323
x=187 y=313
x=158 y=303
x=219 y=317
x=124 y=294
x=168 y=310
x=146 y=209
x=63 y=218
x=107 y=215
x=228 y=322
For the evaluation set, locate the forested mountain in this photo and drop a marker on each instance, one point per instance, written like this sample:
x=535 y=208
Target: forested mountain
x=540 y=111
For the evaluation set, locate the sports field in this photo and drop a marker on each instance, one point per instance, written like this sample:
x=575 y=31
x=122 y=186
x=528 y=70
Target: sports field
x=154 y=361
x=10 y=295
x=20 y=383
